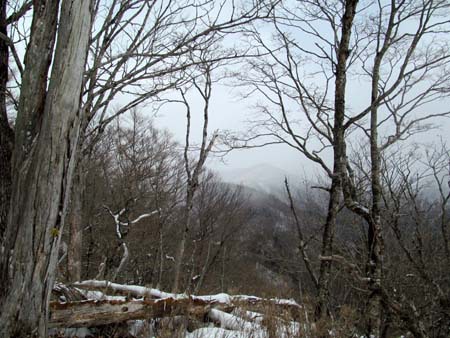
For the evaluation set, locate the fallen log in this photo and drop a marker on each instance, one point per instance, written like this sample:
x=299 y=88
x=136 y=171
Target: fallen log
x=124 y=290
x=67 y=293
x=249 y=302
x=89 y=304
x=102 y=312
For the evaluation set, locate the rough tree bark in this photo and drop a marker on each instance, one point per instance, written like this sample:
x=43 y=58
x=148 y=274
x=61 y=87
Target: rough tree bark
x=103 y=312
x=375 y=239
x=30 y=104
x=75 y=224
x=338 y=155
x=182 y=246
x=327 y=245
x=140 y=302
x=46 y=135
x=6 y=132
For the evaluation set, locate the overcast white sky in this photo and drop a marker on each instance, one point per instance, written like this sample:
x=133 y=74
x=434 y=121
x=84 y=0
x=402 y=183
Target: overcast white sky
x=228 y=112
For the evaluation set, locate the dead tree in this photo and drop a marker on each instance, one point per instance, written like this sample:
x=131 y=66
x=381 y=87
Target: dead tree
x=146 y=303
x=6 y=132
x=46 y=134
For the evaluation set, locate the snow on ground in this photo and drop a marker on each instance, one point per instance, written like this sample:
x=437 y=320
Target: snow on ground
x=214 y=332
x=238 y=324
x=80 y=332
x=219 y=298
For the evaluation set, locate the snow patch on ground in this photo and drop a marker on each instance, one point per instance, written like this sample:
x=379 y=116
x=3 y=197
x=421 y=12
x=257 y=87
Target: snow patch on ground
x=213 y=332
x=240 y=323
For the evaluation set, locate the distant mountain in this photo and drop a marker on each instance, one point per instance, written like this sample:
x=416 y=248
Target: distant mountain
x=263 y=177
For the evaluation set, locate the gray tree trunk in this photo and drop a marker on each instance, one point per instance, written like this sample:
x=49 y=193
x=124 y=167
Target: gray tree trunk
x=75 y=224
x=375 y=238
x=339 y=155
x=43 y=162
x=182 y=246
x=6 y=133
x=37 y=60
x=327 y=248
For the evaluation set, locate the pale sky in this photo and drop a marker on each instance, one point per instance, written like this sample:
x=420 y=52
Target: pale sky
x=228 y=112
x=231 y=113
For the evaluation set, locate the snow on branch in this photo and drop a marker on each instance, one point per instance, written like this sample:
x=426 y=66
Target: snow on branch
x=119 y=223
x=142 y=217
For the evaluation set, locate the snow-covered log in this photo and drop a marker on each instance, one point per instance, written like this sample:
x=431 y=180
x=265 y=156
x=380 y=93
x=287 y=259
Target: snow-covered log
x=93 y=303
x=67 y=293
x=125 y=290
x=222 y=298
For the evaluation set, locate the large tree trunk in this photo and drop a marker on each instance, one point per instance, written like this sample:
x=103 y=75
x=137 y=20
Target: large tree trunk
x=33 y=93
x=6 y=133
x=375 y=238
x=339 y=154
x=75 y=224
x=46 y=136
x=327 y=249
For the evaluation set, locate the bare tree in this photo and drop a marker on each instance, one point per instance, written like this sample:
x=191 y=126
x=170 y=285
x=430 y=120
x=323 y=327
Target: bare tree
x=194 y=171
x=302 y=240
x=412 y=204
x=342 y=44
x=282 y=82
x=139 y=50
x=136 y=168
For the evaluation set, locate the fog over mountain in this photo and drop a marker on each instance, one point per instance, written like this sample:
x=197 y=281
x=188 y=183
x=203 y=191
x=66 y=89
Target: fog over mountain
x=263 y=177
